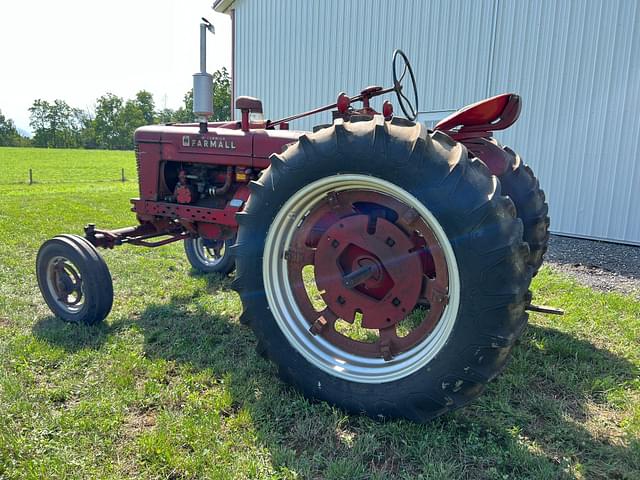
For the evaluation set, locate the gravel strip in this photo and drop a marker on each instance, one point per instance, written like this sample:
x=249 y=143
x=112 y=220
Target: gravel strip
x=601 y=265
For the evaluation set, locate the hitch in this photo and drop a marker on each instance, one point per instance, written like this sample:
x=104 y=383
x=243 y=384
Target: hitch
x=544 y=309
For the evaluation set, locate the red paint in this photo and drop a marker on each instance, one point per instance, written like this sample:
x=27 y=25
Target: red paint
x=244 y=120
x=267 y=142
x=491 y=154
x=210 y=231
x=347 y=246
x=184 y=194
x=473 y=126
x=194 y=213
x=248 y=147
x=343 y=103
x=387 y=109
x=495 y=113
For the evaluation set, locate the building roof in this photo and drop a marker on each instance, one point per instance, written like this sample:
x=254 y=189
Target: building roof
x=222 y=6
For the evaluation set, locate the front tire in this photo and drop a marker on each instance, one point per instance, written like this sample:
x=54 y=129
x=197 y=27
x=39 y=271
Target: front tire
x=210 y=256
x=467 y=263
x=74 y=279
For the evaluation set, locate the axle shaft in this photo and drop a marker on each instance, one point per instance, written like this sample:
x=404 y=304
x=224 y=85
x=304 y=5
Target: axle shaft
x=356 y=277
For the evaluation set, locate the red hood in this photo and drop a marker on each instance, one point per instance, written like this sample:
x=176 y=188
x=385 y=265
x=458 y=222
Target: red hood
x=227 y=141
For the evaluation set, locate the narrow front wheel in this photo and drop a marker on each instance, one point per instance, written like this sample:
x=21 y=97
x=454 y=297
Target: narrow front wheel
x=210 y=256
x=74 y=279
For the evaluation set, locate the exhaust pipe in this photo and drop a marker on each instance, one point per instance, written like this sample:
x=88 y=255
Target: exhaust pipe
x=203 y=81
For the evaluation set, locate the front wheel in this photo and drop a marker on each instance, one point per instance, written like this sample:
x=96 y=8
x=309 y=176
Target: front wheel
x=210 y=256
x=74 y=279
x=382 y=270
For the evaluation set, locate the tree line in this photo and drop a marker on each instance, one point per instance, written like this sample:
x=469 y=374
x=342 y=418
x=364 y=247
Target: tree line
x=111 y=124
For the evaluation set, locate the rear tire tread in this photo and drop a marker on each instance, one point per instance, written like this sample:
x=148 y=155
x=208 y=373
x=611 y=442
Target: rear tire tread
x=464 y=187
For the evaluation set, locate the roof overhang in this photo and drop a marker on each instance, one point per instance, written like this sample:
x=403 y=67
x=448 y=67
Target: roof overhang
x=223 y=6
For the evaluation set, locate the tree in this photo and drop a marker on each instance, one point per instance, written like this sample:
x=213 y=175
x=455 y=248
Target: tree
x=185 y=114
x=133 y=116
x=221 y=95
x=9 y=136
x=55 y=124
x=108 y=122
x=166 y=115
x=145 y=104
x=116 y=120
x=88 y=130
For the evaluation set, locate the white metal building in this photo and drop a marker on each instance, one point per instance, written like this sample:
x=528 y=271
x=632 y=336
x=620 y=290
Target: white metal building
x=576 y=63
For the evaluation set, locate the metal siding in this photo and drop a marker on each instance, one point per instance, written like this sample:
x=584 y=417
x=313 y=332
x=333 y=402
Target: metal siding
x=288 y=53
x=577 y=67
x=575 y=63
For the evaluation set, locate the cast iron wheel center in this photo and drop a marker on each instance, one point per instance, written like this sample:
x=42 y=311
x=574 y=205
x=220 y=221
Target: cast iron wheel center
x=374 y=258
x=368 y=267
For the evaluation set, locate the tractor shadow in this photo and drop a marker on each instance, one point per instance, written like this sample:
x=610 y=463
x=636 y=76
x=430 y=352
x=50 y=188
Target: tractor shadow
x=554 y=397
x=215 y=281
x=73 y=337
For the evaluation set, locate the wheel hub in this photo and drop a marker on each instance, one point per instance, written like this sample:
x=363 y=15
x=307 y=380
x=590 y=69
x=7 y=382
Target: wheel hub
x=366 y=265
x=66 y=282
x=305 y=228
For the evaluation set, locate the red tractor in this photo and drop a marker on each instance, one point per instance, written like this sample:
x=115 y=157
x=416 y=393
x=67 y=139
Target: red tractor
x=383 y=267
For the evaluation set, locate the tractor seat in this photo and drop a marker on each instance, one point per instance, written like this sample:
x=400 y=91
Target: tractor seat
x=249 y=103
x=495 y=113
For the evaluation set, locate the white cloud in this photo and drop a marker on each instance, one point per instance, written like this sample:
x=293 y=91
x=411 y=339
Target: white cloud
x=78 y=50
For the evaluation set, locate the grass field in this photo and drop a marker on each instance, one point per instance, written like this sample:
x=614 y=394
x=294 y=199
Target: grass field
x=170 y=386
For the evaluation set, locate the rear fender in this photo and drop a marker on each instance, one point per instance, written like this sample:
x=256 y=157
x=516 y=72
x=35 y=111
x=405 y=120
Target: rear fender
x=497 y=160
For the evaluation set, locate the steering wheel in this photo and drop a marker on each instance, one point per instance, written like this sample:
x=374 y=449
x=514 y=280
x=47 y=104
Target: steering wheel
x=408 y=108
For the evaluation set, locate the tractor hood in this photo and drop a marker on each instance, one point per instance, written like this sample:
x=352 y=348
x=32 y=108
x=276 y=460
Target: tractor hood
x=224 y=139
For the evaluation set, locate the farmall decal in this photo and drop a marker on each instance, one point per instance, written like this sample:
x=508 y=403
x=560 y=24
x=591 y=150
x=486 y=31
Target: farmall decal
x=208 y=142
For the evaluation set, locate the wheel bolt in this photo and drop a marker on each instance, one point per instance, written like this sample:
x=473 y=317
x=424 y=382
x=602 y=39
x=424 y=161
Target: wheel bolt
x=335 y=243
x=390 y=241
x=341 y=300
x=395 y=301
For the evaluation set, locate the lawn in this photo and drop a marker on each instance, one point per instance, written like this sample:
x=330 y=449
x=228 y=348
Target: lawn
x=170 y=385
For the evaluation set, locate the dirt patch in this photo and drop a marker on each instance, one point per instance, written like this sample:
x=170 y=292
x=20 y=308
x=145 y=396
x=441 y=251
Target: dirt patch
x=138 y=421
x=604 y=266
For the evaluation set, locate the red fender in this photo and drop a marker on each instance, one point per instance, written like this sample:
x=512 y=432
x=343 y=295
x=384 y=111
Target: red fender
x=473 y=126
x=495 y=158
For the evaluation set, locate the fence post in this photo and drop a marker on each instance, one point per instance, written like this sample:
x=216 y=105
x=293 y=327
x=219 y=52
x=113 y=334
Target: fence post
x=30 y=177
x=123 y=179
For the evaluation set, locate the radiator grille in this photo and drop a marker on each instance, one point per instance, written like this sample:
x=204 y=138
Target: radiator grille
x=137 y=152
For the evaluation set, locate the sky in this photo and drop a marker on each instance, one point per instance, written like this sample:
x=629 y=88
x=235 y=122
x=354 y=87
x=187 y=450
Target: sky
x=77 y=50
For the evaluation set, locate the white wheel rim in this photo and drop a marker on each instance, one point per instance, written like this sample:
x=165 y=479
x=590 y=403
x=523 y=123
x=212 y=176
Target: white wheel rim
x=318 y=351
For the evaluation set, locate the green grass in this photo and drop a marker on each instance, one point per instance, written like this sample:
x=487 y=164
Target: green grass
x=64 y=166
x=170 y=386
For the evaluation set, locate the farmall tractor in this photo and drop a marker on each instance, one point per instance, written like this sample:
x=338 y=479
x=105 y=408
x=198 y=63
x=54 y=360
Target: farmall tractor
x=382 y=266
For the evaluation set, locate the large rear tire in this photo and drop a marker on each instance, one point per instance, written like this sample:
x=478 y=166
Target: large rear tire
x=378 y=208
x=522 y=186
